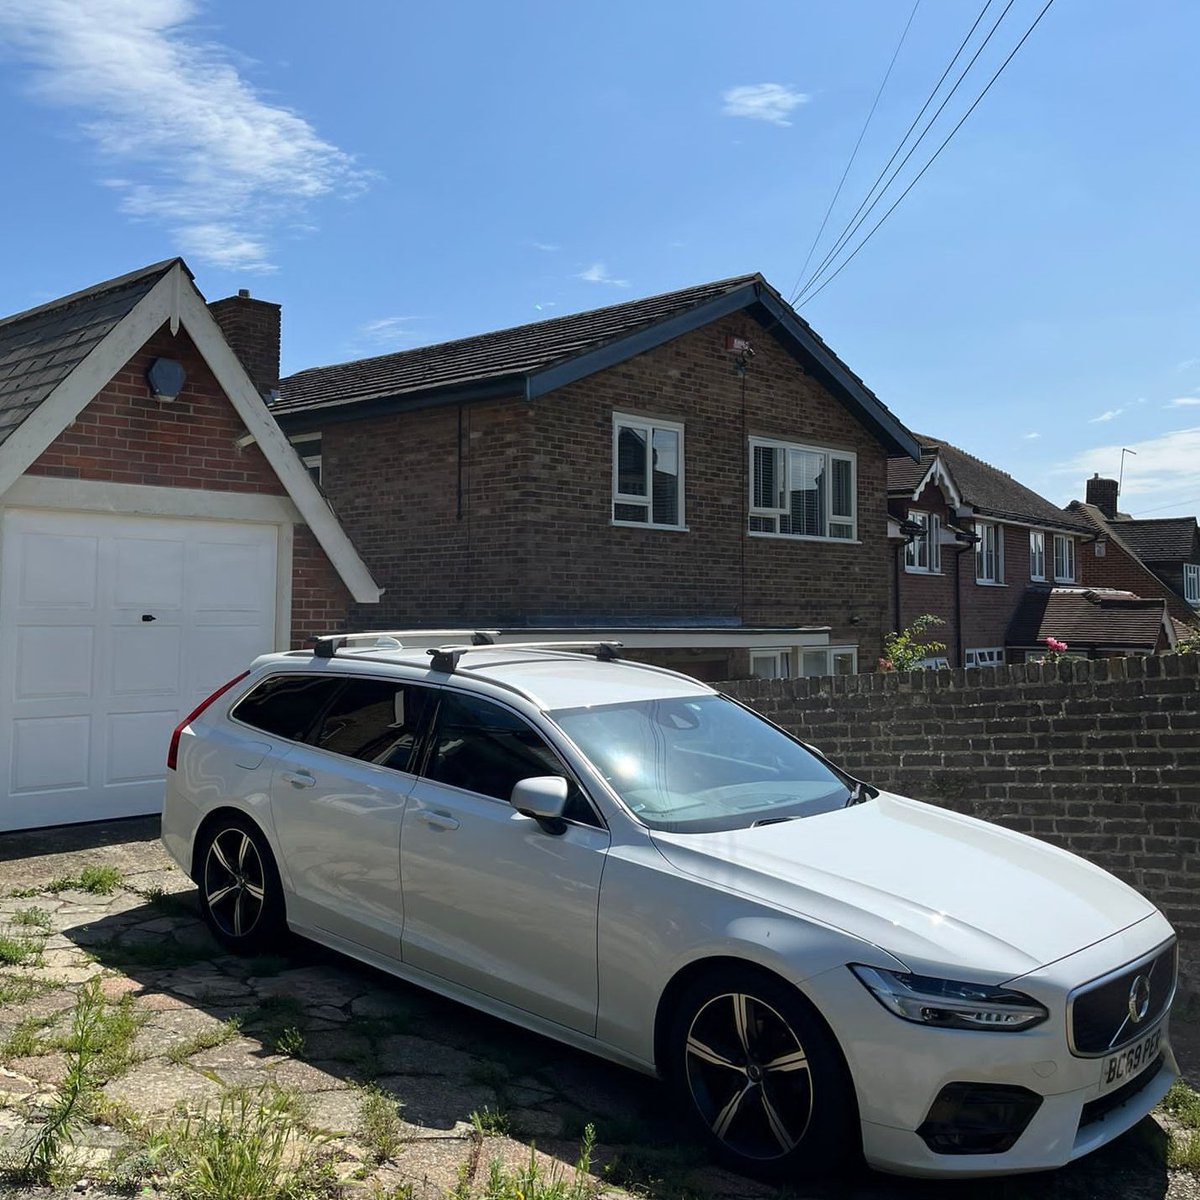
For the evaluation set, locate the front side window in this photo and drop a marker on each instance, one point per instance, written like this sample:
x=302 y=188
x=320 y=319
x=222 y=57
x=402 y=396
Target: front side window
x=801 y=491
x=1037 y=554
x=989 y=553
x=701 y=764
x=1191 y=583
x=647 y=472
x=1064 y=559
x=924 y=552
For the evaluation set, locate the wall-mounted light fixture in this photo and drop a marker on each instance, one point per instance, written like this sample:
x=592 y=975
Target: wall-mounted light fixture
x=166 y=378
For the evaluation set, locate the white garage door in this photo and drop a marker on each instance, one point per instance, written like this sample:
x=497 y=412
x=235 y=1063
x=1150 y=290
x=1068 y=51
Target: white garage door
x=113 y=628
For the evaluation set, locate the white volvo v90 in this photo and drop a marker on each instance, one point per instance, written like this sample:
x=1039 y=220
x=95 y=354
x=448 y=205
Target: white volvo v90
x=620 y=857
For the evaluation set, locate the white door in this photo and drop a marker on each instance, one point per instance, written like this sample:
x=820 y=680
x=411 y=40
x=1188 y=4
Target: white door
x=113 y=628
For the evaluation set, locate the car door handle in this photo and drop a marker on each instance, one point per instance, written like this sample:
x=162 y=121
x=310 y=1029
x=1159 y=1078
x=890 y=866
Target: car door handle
x=299 y=779
x=439 y=820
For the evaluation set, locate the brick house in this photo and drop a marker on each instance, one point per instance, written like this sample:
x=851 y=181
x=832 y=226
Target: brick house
x=696 y=475
x=157 y=532
x=995 y=561
x=1159 y=558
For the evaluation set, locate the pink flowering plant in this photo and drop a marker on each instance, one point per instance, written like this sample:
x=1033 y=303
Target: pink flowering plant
x=1055 y=649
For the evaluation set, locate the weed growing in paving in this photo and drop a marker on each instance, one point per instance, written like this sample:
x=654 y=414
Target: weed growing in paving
x=379 y=1126
x=32 y=918
x=533 y=1182
x=166 y=954
x=206 y=1039
x=19 y=950
x=289 y=1041
x=99 y=881
x=1183 y=1143
x=26 y=1040
x=18 y=989
x=490 y=1122
x=112 y=1033
x=248 y=1145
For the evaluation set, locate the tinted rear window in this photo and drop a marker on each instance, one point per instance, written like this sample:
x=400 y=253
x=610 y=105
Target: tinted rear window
x=377 y=721
x=287 y=705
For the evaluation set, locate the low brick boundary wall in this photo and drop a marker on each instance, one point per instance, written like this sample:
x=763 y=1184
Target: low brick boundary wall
x=1101 y=757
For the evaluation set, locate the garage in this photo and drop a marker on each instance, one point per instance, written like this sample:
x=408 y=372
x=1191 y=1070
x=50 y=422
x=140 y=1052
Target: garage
x=116 y=628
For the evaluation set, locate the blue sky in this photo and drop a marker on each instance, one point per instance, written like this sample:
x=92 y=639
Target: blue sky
x=396 y=174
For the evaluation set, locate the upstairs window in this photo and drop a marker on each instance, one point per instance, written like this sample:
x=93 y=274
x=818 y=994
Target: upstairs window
x=647 y=472
x=924 y=552
x=1191 y=583
x=1064 y=559
x=989 y=553
x=1037 y=554
x=801 y=491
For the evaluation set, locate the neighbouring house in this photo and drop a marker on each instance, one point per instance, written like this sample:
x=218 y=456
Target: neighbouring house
x=157 y=532
x=985 y=554
x=1159 y=557
x=696 y=475
x=1094 y=623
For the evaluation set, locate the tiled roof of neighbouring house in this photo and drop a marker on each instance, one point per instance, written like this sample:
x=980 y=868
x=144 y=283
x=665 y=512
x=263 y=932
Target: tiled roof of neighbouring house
x=1087 y=618
x=987 y=489
x=1165 y=540
x=547 y=354
x=40 y=347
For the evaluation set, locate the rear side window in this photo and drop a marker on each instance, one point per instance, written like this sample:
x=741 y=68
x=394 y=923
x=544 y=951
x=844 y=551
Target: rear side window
x=287 y=705
x=375 y=720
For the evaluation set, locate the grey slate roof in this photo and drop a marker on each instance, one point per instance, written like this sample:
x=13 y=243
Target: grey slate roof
x=542 y=356
x=1170 y=539
x=40 y=347
x=1086 y=619
x=987 y=489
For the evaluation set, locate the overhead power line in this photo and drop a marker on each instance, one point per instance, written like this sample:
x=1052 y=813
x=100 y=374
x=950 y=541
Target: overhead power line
x=854 y=153
x=899 y=147
x=846 y=262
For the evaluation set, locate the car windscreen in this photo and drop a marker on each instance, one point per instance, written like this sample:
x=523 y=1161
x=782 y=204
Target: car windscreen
x=701 y=764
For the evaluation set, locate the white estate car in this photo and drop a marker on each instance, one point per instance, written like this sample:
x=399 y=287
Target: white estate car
x=619 y=857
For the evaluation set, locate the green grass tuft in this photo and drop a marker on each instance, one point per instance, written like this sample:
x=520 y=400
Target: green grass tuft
x=379 y=1126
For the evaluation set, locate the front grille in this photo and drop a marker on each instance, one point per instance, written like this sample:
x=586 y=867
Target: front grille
x=1097 y=1110
x=1100 y=1018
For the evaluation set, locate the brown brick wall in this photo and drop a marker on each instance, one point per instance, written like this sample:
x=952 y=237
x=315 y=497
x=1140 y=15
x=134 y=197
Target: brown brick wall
x=126 y=436
x=1117 y=569
x=251 y=327
x=534 y=540
x=1101 y=757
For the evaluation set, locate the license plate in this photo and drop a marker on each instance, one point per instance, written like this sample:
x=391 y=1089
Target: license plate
x=1120 y=1068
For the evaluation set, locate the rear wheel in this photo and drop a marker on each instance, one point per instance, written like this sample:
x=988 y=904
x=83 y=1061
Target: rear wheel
x=761 y=1076
x=241 y=898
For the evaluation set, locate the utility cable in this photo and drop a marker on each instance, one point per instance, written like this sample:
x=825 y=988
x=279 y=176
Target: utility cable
x=854 y=153
x=847 y=261
x=868 y=204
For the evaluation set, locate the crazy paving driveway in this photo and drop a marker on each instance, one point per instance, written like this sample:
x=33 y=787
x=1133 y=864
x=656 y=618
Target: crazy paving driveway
x=395 y=1093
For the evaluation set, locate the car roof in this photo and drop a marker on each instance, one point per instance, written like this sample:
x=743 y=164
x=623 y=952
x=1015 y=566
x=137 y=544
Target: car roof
x=551 y=679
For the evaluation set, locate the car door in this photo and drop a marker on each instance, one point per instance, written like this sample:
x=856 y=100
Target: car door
x=337 y=801
x=492 y=901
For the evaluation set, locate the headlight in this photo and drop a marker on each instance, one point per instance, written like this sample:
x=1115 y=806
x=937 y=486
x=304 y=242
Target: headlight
x=950 y=1003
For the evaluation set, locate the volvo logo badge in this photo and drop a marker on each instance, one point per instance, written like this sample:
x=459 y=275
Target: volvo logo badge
x=1139 y=998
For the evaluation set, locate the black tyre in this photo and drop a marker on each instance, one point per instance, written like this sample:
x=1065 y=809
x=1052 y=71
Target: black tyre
x=761 y=1076
x=241 y=898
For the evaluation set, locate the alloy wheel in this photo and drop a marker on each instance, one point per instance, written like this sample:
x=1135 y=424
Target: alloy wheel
x=234 y=883
x=749 y=1076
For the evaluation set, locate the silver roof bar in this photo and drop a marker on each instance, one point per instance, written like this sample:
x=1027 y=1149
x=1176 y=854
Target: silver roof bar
x=326 y=646
x=445 y=658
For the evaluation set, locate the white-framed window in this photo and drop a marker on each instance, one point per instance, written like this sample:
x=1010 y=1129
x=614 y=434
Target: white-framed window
x=1191 y=583
x=1064 y=559
x=924 y=552
x=647 y=472
x=802 y=491
x=829 y=660
x=771 y=664
x=1037 y=554
x=987 y=656
x=989 y=553
x=308 y=446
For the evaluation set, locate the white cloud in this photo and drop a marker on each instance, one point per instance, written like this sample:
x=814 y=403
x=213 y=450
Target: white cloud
x=1187 y=364
x=771 y=102
x=199 y=149
x=387 y=331
x=1159 y=468
x=1182 y=402
x=1030 y=436
x=598 y=273
x=1106 y=416
x=547 y=247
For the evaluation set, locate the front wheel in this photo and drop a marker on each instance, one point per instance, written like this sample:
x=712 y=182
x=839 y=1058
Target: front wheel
x=761 y=1076
x=241 y=898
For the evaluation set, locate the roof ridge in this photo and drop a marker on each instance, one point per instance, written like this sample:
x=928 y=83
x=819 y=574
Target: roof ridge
x=723 y=284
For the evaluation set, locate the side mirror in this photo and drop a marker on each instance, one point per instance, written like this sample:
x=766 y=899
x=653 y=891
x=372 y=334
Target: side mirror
x=543 y=798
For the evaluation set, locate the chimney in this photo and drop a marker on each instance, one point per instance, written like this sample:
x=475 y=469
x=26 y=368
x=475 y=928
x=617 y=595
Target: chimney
x=1103 y=494
x=251 y=327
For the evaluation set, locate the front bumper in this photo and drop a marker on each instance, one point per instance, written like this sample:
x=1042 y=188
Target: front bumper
x=899 y=1068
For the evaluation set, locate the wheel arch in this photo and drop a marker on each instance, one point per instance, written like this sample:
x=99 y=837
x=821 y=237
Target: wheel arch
x=214 y=818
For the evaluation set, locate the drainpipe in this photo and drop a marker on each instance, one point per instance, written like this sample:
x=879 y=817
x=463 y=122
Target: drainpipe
x=966 y=541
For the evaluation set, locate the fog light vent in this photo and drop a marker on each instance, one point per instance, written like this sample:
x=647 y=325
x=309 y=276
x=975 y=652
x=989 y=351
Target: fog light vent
x=978 y=1118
